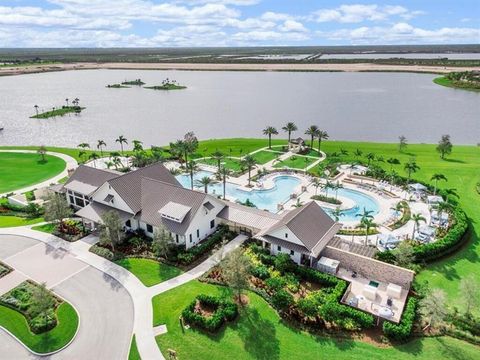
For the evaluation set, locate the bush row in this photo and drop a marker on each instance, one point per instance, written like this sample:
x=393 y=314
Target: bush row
x=403 y=329
x=103 y=252
x=224 y=311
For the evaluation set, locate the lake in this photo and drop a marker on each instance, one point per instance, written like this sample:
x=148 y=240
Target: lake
x=218 y=104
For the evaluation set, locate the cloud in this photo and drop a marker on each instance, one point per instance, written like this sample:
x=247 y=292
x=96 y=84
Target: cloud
x=292 y=25
x=402 y=33
x=356 y=13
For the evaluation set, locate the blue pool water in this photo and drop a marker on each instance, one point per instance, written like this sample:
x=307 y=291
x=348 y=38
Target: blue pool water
x=284 y=186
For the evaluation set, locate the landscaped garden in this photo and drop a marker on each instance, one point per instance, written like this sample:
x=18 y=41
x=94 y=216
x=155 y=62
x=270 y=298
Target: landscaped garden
x=231 y=164
x=264 y=156
x=14 y=215
x=40 y=320
x=20 y=170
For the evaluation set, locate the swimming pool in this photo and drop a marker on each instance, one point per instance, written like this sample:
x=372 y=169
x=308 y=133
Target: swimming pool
x=280 y=193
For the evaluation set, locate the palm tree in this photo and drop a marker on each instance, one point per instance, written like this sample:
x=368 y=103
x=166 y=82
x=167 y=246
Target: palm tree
x=444 y=207
x=365 y=215
x=81 y=154
x=398 y=207
x=417 y=218
x=109 y=164
x=358 y=153
x=298 y=204
x=337 y=212
x=205 y=181
x=224 y=173
x=66 y=100
x=436 y=177
x=36 y=109
x=317 y=184
x=451 y=192
x=192 y=167
x=84 y=146
x=337 y=187
x=100 y=145
x=328 y=185
x=117 y=162
x=343 y=152
x=393 y=161
x=94 y=156
x=42 y=150
x=312 y=131
x=289 y=128
x=321 y=135
x=269 y=131
x=248 y=162
x=121 y=140
x=218 y=156
x=367 y=224
x=137 y=145
x=370 y=156
x=411 y=167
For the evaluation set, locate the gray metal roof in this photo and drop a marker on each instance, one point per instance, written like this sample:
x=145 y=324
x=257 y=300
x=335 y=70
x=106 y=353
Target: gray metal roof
x=129 y=185
x=248 y=216
x=156 y=194
x=310 y=224
x=92 y=176
x=94 y=212
x=80 y=187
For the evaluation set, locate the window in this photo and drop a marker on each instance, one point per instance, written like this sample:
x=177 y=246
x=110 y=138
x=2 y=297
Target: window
x=198 y=233
x=279 y=248
x=79 y=202
x=72 y=201
x=128 y=223
x=292 y=252
x=190 y=237
x=212 y=224
x=149 y=228
x=286 y=235
x=176 y=238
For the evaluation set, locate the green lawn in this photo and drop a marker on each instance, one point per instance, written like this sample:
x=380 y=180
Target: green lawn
x=260 y=334
x=149 y=272
x=295 y=162
x=58 y=112
x=50 y=341
x=237 y=147
x=13 y=221
x=46 y=228
x=262 y=157
x=23 y=169
x=232 y=164
x=443 y=81
x=133 y=354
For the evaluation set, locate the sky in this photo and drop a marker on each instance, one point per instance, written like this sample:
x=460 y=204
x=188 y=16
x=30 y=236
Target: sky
x=170 y=23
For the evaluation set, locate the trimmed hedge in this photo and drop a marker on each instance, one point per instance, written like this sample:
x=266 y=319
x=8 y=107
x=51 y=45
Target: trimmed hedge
x=103 y=252
x=403 y=329
x=224 y=311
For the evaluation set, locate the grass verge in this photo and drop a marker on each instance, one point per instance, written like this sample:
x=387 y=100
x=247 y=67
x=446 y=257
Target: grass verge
x=149 y=272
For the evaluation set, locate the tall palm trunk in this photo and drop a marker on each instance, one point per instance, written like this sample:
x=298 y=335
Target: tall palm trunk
x=191 y=178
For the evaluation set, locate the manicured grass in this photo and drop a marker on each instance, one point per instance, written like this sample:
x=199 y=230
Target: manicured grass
x=262 y=157
x=58 y=112
x=46 y=228
x=237 y=147
x=19 y=170
x=149 y=272
x=133 y=354
x=232 y=164
x=50 y=341
x=259 y=333
x=295 y=162
x=13 y=221
x=456 y=84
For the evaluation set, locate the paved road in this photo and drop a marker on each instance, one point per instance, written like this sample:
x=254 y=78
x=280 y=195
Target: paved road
x=105 y=307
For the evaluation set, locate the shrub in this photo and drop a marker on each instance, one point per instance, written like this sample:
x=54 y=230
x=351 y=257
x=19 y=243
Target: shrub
x=275 y=283
x=103 y=252
x=403 y=329
x=284 y=263
x=224 y=311
x=261 y=272
x=308 y=306
x=326 y=199
x=40 y=324
x=282 y=299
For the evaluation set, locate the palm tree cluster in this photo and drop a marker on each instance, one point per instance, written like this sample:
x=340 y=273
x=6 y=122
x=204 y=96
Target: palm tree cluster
x=291 y=127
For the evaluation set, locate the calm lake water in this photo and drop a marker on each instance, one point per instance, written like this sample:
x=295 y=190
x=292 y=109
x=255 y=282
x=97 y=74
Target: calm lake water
x=217 y=104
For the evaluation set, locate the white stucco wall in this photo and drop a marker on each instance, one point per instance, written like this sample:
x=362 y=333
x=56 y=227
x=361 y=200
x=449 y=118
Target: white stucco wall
x=295 y=257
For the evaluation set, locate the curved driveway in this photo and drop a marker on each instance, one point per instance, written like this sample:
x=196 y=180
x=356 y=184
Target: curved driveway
x=104 y=306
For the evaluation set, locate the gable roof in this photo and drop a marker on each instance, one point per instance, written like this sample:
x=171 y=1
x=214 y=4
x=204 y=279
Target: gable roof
x=129 y=185
x=310 y=224
x=248 y=216
x=85 y=178
x=157 y=194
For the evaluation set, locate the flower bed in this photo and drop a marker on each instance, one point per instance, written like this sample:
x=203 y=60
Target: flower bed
x=326 y=199
x=20 y=299
x=406 y=214
x=209 y=312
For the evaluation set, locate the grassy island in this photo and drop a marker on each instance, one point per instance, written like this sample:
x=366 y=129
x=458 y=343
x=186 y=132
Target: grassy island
x=117 y=86
x=167 y=85
x=467 y=80
x=137 y=82
x=58 y=112
x=40 y=333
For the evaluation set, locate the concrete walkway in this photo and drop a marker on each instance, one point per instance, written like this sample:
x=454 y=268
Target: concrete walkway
x=71 y=163
x=140 y=294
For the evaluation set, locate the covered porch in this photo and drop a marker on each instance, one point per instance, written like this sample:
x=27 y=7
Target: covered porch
x=91 y=215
